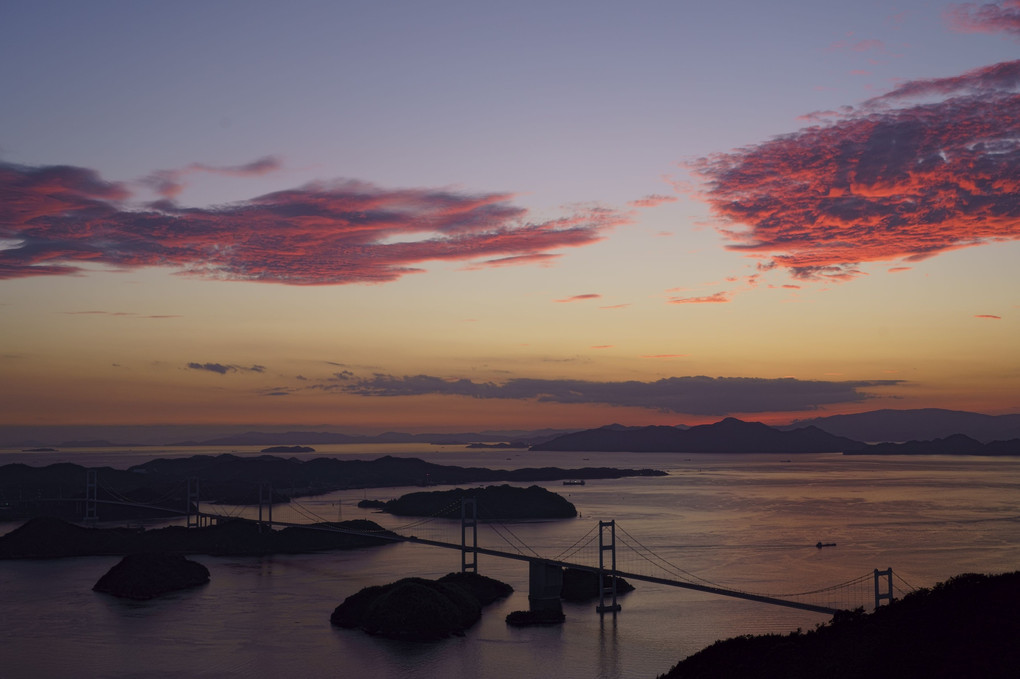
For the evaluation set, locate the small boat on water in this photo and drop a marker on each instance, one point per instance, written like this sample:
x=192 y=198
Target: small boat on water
x=574 y=482
x=821 y=544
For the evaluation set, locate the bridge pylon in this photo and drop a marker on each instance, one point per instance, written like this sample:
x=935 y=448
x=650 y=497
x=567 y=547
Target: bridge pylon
x=193 y=515
x=887 y=595
x=91 y=496
x=468 y=523
x=266 y=491
x=610 y=589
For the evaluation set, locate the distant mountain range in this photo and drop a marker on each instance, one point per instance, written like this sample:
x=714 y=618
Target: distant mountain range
x=836 y=432
x=906 y=425
x=726 y=436
x=736 y=436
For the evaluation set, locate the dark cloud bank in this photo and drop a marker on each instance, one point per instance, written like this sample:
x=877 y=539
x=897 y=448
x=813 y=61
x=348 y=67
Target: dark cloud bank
x=692 y=395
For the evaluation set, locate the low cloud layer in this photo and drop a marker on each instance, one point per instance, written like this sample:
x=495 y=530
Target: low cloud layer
x=55 y=219
x=691 y=395
x=223 y=369
x=930 y=167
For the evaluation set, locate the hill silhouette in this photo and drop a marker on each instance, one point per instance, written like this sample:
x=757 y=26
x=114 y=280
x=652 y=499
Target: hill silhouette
x=729 y=435
x=916 y=424
x=964 y=627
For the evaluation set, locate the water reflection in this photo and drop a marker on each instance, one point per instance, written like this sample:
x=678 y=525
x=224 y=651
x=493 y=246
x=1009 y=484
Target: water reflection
x=609 y=659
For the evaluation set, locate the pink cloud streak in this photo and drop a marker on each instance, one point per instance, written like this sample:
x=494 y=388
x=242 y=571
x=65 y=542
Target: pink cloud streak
x=579 y=298
x=716 y=298
x=54 y=219
x=652 y=200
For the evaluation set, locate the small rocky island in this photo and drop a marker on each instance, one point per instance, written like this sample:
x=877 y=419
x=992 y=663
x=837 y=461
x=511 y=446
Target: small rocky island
x=288 y=449
x=494 y=503
x=147 y=576
x=416 y=609
x=580 y=586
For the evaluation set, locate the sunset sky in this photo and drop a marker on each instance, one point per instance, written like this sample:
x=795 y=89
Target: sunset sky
x=455 y=216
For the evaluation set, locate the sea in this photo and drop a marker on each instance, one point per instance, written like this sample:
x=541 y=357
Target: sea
x=743 y=522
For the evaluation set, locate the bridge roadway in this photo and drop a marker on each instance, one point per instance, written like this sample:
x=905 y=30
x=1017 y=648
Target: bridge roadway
x=394 y=537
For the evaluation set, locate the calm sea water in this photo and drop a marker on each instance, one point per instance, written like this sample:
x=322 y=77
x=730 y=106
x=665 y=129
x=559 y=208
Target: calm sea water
x=746 y=522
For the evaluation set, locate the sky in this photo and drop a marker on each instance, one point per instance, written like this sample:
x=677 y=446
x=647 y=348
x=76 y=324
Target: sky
x=461 y=216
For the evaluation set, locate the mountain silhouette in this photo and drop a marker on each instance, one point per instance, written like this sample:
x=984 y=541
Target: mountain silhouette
x=729 y=435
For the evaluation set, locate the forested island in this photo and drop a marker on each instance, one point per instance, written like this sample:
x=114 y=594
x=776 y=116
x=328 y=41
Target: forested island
x=493 y=503
x=417 y=609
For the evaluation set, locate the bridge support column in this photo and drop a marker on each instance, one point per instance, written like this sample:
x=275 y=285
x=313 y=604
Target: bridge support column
x=545 y=583
x=888 y=593
x=607 y=545
x=468 y=522
x=193 y=514
x=91 y=496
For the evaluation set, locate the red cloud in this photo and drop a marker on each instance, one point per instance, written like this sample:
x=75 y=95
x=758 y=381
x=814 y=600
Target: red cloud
x=998 y=318
x=53 y=219
x=881 y=183
x=652 y=200
x=1000 y=17
x=709 y=299
x=578 y=298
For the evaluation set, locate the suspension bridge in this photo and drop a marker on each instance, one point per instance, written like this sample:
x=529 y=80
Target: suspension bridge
x=606 y=549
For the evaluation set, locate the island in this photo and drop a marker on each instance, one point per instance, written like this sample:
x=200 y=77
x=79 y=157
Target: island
x=580 y=585
x=288 y=449
x=147 y=576
x=494 y=503
x=59 y=489
x=417 y=609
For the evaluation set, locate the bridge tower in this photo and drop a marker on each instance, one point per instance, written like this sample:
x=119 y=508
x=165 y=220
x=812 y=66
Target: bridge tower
x=888 y=593
x=266 y=491
x=91 y=496
x=468 y=521
x=607 y=546
x=194 y=517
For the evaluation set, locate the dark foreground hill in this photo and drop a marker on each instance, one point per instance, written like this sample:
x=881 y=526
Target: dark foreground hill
x=965 y=627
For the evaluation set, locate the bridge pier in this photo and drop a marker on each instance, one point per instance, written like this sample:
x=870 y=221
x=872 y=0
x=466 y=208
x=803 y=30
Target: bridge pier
x=545 y=581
